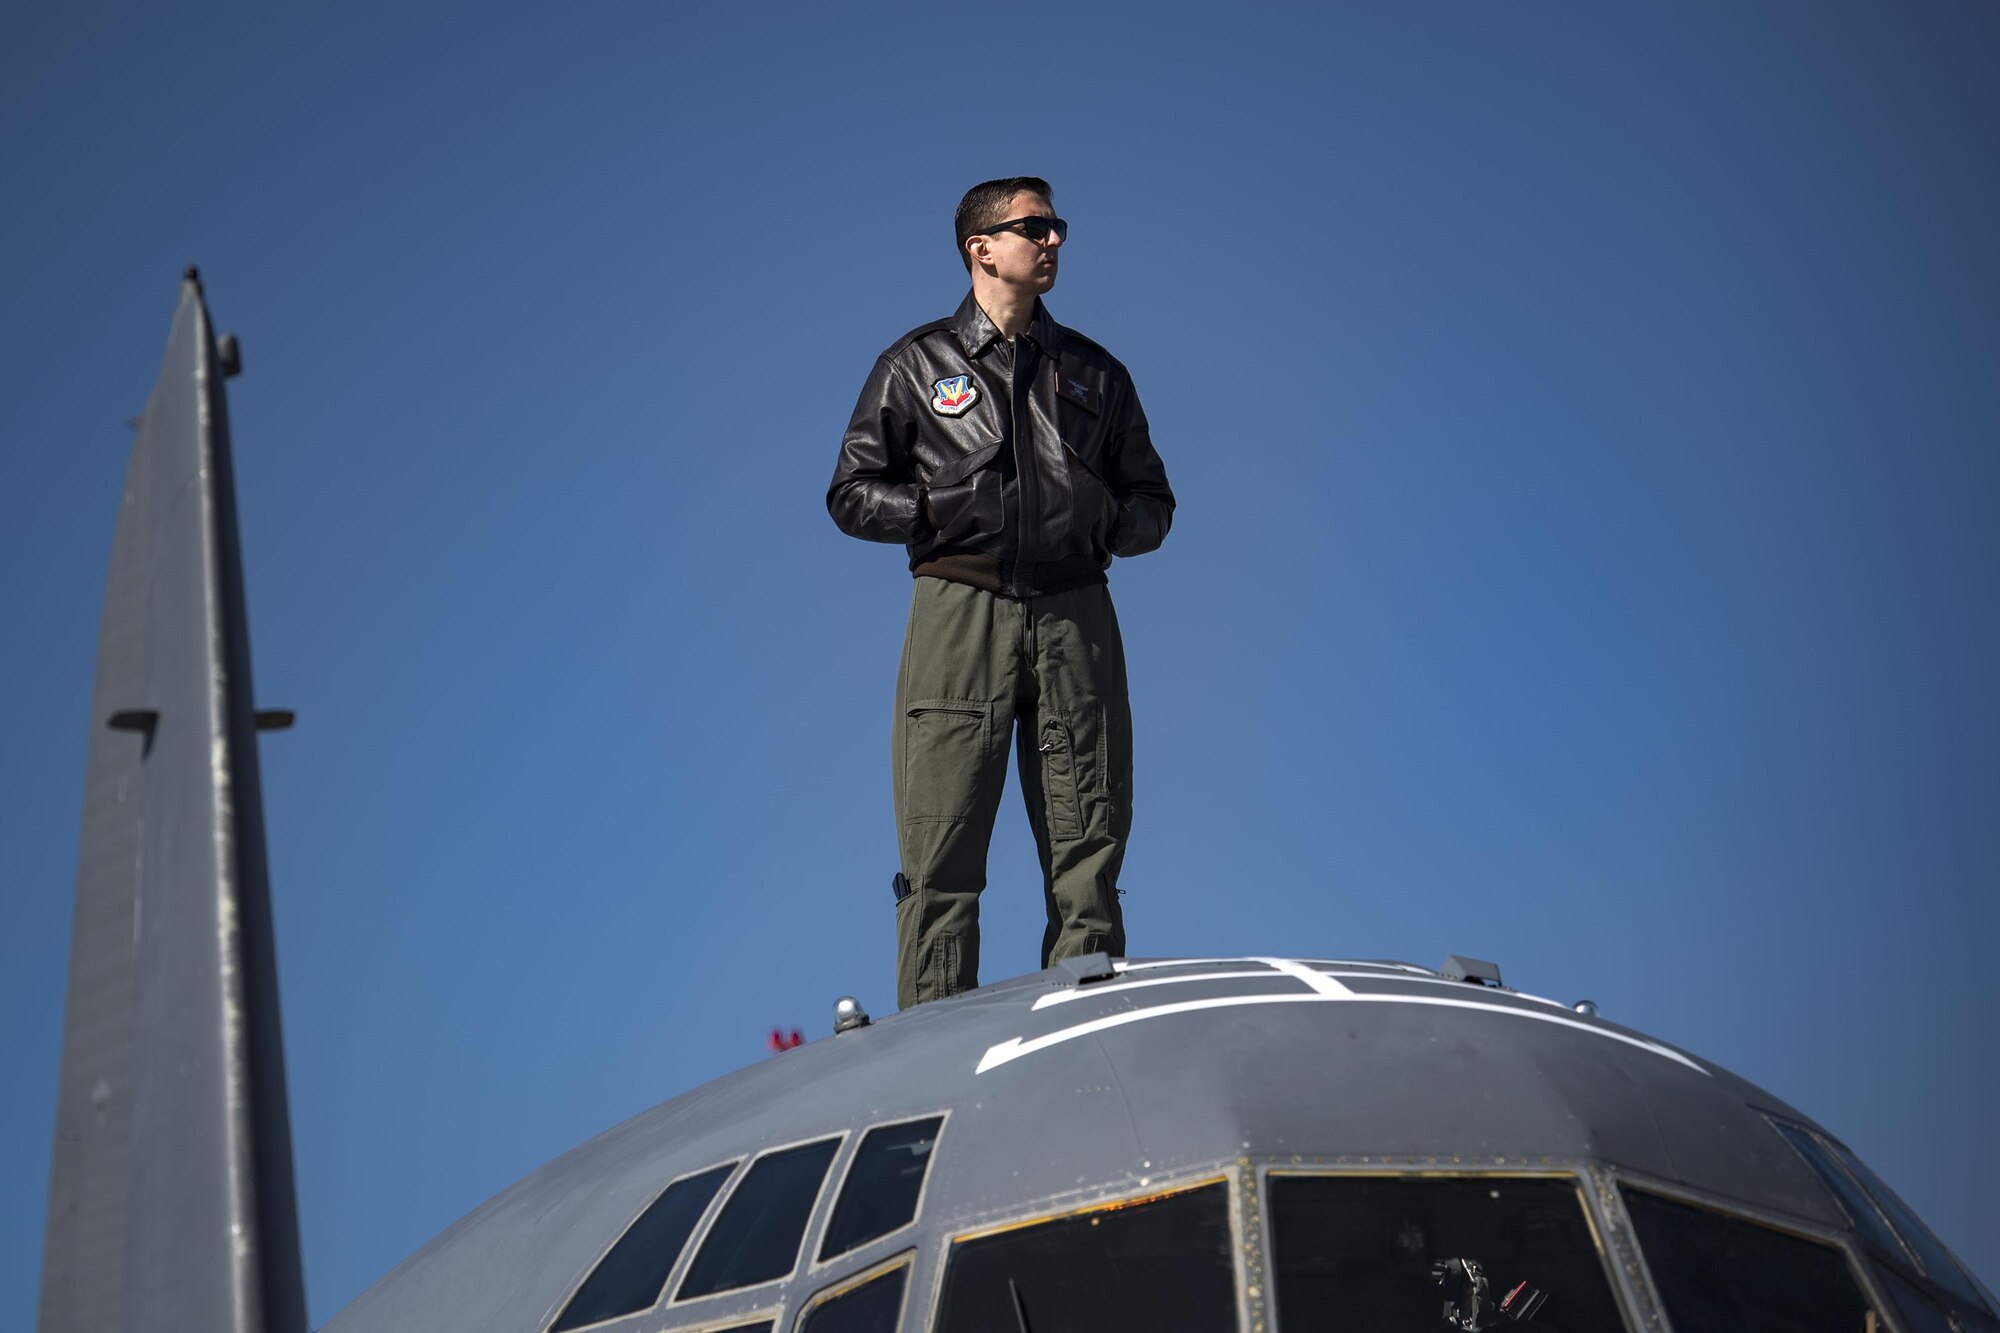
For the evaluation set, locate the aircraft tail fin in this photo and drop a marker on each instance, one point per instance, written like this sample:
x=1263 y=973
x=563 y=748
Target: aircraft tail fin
x=170 y=1196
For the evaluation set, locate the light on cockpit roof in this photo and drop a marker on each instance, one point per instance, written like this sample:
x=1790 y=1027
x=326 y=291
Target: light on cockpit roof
x=848 y=1015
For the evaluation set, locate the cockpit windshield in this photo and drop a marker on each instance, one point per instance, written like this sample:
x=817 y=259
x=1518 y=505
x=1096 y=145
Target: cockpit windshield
x=1719 y=1273
x=1395 y=1254
x=1139 y=1265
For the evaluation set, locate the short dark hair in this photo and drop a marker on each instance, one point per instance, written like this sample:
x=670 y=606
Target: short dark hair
x=986 y=203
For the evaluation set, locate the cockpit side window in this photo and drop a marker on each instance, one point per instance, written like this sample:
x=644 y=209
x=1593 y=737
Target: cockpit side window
x=1888 y=1223
x=880 y=1193
x=1392 y=1252
x=756 y=1237
x=1142 y=1265
x=1854 y=1201
x=1985 y=1292
x=873 y=1303
x=631 y=1277
x=1715 y=1270
x=1921 y=1312
x=1938 y=1263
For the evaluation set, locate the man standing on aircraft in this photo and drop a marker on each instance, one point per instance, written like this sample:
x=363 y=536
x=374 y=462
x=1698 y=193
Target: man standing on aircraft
x=1012 y=458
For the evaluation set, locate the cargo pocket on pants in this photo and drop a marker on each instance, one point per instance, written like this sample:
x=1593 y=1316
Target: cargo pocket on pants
x=1059 y=788
x=944 y=752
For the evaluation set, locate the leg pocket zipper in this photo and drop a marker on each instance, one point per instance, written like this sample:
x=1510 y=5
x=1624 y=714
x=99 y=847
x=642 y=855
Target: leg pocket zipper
x=1059 y=790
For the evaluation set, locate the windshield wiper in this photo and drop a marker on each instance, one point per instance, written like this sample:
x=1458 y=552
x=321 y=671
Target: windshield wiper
x=1020 y=1306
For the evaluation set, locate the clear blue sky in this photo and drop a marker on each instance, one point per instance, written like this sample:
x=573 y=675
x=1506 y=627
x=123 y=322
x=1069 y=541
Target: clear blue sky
x=1585 y=424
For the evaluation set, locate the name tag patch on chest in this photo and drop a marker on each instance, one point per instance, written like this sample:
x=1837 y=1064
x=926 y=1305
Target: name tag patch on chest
x=951 y=397
x=1077 y=391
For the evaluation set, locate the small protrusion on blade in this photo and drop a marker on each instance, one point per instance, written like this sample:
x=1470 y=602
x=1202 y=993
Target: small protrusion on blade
x=229 y=352
x=275 y=719
x=141 y=720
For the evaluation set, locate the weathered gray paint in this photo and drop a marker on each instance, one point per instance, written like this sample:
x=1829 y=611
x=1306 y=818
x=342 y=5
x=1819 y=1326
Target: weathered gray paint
x=1366 y=1083
x=170 y=1197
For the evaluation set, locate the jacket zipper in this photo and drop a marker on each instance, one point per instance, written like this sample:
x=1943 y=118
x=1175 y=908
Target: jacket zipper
x=1026 y=544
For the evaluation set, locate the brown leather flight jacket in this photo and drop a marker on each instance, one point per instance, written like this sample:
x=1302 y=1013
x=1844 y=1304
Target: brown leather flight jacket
x=1020 y=483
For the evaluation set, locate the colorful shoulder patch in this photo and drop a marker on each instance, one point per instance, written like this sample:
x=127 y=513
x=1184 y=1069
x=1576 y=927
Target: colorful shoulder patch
x=951 y=397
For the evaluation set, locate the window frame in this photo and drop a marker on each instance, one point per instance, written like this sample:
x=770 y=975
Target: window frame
x=1632 y=1309
x=844 y=1166
x=735 y=1165
x=722 y=1200
x=1147 y=1189
x=860 y=1278
x=773 y=1314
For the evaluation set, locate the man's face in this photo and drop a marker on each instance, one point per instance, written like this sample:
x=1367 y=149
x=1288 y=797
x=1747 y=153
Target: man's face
x=1013 y=258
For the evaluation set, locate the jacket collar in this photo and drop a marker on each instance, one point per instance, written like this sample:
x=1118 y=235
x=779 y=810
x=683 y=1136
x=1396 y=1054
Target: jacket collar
x=976 y=331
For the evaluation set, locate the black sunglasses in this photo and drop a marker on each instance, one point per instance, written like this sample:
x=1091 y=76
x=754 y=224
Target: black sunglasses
x=1035 y=229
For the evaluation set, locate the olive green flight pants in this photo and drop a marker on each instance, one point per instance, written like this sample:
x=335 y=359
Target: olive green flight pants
x=1050 y=670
